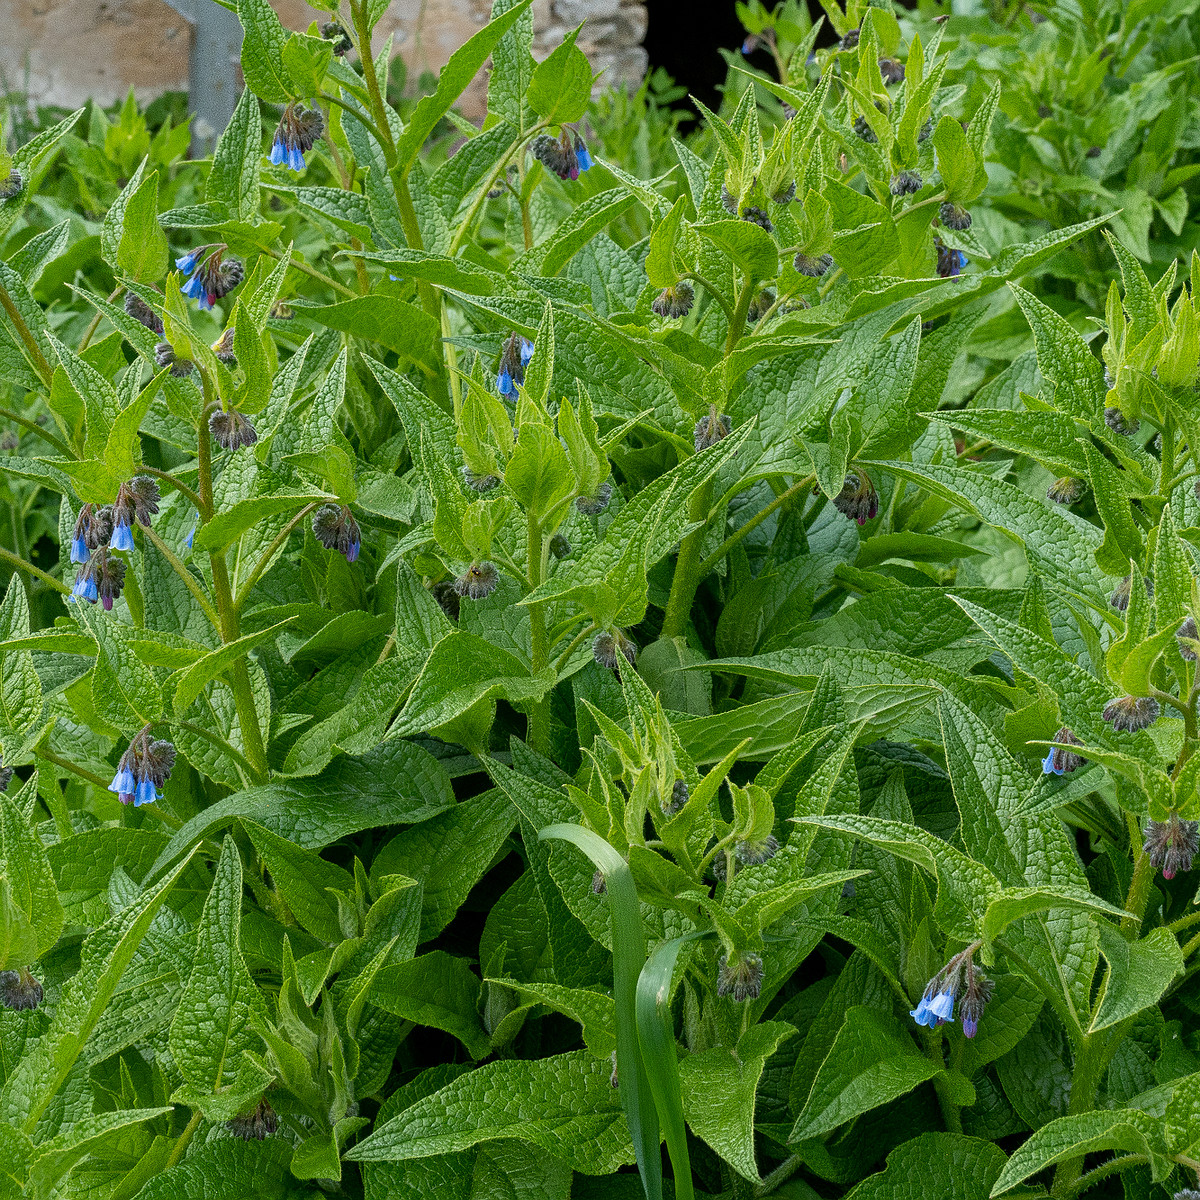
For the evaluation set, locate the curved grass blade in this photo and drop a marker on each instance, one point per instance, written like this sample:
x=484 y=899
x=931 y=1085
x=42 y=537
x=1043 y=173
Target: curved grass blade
x=629 y=956
x=657 y=1040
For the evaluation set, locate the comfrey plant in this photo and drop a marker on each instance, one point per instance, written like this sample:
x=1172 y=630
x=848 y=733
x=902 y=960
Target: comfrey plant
x=518 y=685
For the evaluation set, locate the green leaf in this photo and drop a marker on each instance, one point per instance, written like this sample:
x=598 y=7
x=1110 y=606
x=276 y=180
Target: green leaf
x=233 y=179
x=749 y=245
x=212 y=1026
x=142 y=252
x=955 y=162
x=449 y=854
x=107 y=953
x=462 y=67
x=512 y=68
x=30 y=880
x=304 y=880
x=124 y=691
x=463 y=670
x=227 y=1167
x=870 y=1063
x=112 y=228
x=396 y=783
x=391 y=322
x=1064 y=360
x=437 y=990
x=563 y=1105
x=562 y=83
x=719 y=1092
x=660 y=259
x=1088 y=1133
x=1122 y=539
x=1138 y=973
x=262 y=53
x=226 y=527
x=538 y=473
x=946 y=1165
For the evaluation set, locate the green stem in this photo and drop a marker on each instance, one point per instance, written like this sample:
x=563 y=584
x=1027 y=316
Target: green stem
x=1085 y=1080
x=171 y=481
x=779 y=1176
x=752 y=524
x=1104 y=1170
x=715 y=293
x=362 y=37
x=1191 y=946
x=216 y=740
x=297 y=260
x=17 y=561
x=565 y=656
x=539 y=716
x=94 y=324
x=181 y=1143
x=1139 y=885
x=688 y=568
x=44 y=371
x=67 y=765
x=265 y=559
x=189 y=580
x=8 y=415
x=239 y=675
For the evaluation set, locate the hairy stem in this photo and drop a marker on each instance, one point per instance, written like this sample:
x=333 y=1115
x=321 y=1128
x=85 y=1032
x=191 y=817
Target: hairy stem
x=40 y=365
x=189 y=580
x=1090 y=1062
x=17 y=561
x=688 y=568
x=752 y=524
x=265 y=559
x=539 y=715
x=171 y=481
x=7 y=414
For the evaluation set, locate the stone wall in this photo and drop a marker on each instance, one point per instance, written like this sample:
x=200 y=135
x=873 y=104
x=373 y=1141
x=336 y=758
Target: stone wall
x=65 y=51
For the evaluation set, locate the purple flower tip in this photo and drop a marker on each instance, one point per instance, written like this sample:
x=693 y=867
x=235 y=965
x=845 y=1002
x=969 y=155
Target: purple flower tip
x=969 y=1027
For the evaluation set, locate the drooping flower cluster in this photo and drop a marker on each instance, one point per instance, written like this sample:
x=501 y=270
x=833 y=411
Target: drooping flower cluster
x=231 y=430
x=675 y=301
x=711 y=429
x=12 y=184
x=611 y=646
x=906 y=183
x=1172 y=844
x=892 y=70
x=334 y=526
x=560 y=547
x=479 y=483
x=93 y=528
x=955 y=217
x=1067 y=490
x=19 y=990
x=137 y=500
x=6 y=774
x=960 y=974
x=740 y=976
x=950 y=262
x=478 y=581
x=760 y=305
x=858 y=500
x=165 y=356
x=679 y=797
x=1120 y=597
x=331 y=31
x=1128 y=714
x=591 y=506
x=254 y=1126
x=1059 y=761
x=297 y=132
x=1118 y=422
x=566 y=155
x=1188 y=636
x=141 y=312
x=143 y=769
x=514 y=358
x=100 y=578
x=213 y=276
x=812 y=265
x=758 y=216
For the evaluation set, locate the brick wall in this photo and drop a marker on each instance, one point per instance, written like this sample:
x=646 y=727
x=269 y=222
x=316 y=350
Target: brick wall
x=65 y=51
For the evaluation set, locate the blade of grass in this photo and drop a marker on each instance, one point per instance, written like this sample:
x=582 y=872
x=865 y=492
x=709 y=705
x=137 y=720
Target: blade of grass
x=657 y=1038
x=629 y=956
